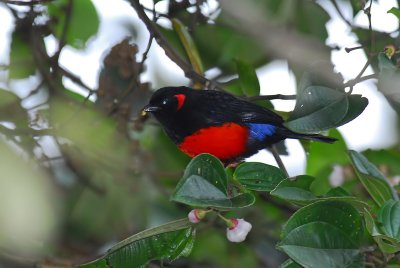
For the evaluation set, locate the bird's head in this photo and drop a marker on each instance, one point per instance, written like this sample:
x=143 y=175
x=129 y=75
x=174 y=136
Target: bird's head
x=167 y=101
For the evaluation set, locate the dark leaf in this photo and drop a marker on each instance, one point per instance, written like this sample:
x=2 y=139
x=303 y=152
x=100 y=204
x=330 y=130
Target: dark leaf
x=372 y=179
x=258 y=176
x=21 y=56
x=166 y=242
x=295 y=190
x=389 y=216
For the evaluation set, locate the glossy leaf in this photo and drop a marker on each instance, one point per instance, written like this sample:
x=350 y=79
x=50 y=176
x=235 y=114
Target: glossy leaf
x=204 y=184
x=258 y=176
x=295 y=190
x=209 y=168
x=248 y=78
x=389 y=216
x=83 y=22
x=372 y=179
x=320 y=108
x=324 y=234
x=166 y=242
x=21 y=56
x=338 y=213
x=395 y=11
x=319 y=244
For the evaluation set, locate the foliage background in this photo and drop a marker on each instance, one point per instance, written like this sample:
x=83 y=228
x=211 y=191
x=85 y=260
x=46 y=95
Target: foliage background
x=82 y=170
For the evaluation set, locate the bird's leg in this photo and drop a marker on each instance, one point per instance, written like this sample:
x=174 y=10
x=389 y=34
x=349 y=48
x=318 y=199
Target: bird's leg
x=278 y=159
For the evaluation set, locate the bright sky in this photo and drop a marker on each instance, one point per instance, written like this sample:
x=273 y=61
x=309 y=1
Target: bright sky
x=367 y=131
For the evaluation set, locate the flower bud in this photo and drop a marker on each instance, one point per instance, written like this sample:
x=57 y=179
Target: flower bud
x=196 y=215
x=237 y=230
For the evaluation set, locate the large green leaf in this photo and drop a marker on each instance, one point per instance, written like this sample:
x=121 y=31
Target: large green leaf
x=209 y=168
x=295 y=190
x=204 y=184
x=389 y=216
x=21 y=56
x=166 y=242
x=324 y=234
x=319 y=244
x=320 y=108
x=258 y=176
x=248 y=78
x=336 y=212
x=82 y=24
x=372 y=179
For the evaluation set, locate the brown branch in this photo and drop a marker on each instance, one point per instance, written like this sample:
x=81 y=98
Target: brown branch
x=75 y=79
x=25 y=3
x=170 y=51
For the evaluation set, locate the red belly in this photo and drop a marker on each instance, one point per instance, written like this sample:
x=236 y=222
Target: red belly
x=225 y=142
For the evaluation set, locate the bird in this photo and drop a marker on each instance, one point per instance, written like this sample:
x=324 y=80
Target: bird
x=219 y=123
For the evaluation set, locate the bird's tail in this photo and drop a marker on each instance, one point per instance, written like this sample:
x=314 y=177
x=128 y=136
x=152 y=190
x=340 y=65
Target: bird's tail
x=313 y=137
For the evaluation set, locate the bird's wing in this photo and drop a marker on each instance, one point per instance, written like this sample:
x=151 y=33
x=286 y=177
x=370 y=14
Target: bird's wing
x=251 y=113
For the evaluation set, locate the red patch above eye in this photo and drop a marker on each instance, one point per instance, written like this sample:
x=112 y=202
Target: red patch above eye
x=181 y=99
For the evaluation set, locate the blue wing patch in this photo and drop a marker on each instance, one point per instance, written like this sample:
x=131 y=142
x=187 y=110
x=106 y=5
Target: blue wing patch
x=261 y=131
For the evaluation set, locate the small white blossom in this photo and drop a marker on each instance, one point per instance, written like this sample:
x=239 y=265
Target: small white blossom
x=238 y=230
x=196 y=215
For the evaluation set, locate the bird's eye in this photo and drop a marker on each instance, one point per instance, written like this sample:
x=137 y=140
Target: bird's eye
x=164 y=102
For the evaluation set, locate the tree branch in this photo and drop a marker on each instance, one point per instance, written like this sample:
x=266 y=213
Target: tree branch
x=170 y=51
x=25 y=3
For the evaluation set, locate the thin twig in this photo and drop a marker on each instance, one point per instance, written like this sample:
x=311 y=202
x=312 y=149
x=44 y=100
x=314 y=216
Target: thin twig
x=170 y=51
x=336 y=6
x=353 y=82
x=278 y=159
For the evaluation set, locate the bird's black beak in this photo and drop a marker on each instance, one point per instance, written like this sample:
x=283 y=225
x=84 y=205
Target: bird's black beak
x=150 y=109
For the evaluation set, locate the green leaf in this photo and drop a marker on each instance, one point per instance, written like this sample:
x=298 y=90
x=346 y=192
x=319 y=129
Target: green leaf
x=357 y=105
x=82 y=24
x=319 y=244
x=21 y=56
x=289 y=264
x=8 y=98
x=372 y=179
x=166 y=242
x=296 y=191
x=395 y=11
x=339 y=213
x=389 y=216
x=386 y=243
x=248 y=78
x=189 y=45
x=209 y=168
x=258 y=176
x=320 y=108
x=204 y=184
x=324 y=234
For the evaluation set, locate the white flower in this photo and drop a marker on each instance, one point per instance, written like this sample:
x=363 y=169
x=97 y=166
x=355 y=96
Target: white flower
x=238 y=230
x=196 y=215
